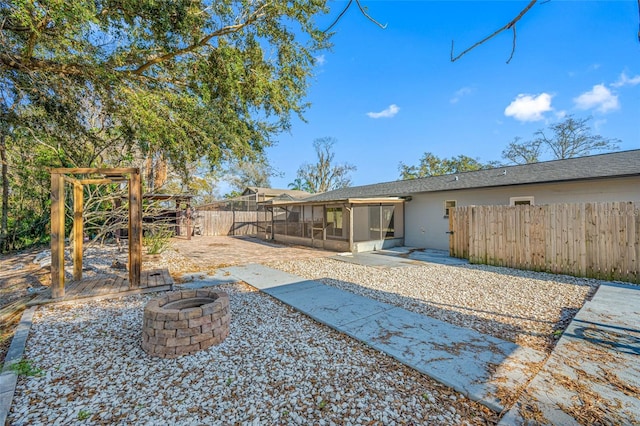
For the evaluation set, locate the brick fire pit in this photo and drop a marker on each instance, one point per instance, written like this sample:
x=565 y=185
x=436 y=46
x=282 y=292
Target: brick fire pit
x=185 y=322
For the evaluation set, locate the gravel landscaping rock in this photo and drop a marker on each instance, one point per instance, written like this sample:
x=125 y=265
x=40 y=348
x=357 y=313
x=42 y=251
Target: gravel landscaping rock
x=276 y=367
x=520 y=306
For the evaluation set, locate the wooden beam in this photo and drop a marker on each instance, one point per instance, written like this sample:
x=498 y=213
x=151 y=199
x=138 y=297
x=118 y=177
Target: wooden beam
x=70 y=180
x=57 y=235
x=89 y=170
x=135 y=229
x=104 y=181
x=78 y=231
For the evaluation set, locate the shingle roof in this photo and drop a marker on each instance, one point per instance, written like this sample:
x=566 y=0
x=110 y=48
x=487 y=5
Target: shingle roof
x=274 y=192
x=617 y=164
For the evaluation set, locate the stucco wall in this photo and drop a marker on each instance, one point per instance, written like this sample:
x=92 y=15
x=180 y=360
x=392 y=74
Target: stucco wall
x=426 y=226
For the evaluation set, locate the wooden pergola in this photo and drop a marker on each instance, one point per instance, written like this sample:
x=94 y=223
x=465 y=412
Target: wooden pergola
x=59 y=177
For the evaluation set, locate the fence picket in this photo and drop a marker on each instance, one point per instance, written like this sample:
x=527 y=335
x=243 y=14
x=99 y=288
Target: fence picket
x=599 y=240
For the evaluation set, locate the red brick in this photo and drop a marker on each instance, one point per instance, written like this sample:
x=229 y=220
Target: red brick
x=168 y=315
x=155 y=340
x=210 y=342
x=206 y=293
x=188 y=349
x=166 y=333
x=187 y=332
x=178 y=341
x=190 y=313
x=206 y=328
x=188 y=294
x=201 y=337
x=172 y=297
x=176 y=324
x=165 y=350
x=196 y=322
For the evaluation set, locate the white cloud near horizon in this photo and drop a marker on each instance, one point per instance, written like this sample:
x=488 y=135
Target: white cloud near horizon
x=529 y=107
x=464 y=91
x=625 y=80
x=391 y=111
x=599 y=98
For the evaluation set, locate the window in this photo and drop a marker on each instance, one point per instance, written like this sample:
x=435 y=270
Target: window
x=387 y=221
x=449 y=204
x=521 y=201
x=334 y=222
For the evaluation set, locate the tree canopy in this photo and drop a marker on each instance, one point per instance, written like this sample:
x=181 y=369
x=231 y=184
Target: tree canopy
x=572 y=137
x=325 y=174
x=432 y=165
x=188 y=78
x=108 y=83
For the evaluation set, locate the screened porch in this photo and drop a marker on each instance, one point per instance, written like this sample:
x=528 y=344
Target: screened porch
x=353 y=225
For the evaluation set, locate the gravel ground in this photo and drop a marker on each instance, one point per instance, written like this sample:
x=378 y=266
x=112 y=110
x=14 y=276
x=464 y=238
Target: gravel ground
x=520 y=306
x=276 y=367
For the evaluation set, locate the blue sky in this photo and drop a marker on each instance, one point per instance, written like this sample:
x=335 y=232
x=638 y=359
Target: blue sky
x=387 y=96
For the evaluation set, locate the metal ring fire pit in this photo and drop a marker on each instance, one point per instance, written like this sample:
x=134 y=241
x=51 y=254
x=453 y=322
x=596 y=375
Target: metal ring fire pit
x=185 y=322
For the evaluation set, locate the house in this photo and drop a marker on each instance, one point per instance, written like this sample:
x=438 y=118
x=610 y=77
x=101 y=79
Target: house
x=415 y=212
x=266 y=194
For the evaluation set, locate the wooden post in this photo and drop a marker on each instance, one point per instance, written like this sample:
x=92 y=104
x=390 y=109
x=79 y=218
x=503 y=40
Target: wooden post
x=78 y=231
x=57 y=235
x=135 y=229
x=188 y=220
x=350 y=227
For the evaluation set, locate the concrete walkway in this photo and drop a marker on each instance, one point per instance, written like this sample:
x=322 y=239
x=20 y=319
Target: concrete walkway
x=479 y=366
x=400 y=256
x=593 y=374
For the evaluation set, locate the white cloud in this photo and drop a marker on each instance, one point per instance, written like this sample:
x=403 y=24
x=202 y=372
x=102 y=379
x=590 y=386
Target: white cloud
x=625 y=80
x=320 y=60
x=599 y=98
x=561 y=114
x=598 y=124
x=529 y=107
x=460 y=94
x=386 y=113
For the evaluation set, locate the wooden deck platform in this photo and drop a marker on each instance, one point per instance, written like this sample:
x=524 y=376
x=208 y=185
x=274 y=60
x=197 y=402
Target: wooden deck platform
x=109 y=287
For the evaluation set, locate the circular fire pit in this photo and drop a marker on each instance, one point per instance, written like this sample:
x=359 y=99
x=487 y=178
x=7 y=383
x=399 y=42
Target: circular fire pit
x=185 y=322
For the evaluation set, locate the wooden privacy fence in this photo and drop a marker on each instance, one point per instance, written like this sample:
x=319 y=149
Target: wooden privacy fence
x=229 y=222
x=596 y=240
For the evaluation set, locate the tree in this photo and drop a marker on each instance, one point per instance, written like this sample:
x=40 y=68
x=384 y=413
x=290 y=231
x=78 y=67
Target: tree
x=325 y=175
x=184 y=79
x=299 y=185
x=568 y=138
x=241 y=174
x=159 y=85
x=522 y=153
x=432 y=165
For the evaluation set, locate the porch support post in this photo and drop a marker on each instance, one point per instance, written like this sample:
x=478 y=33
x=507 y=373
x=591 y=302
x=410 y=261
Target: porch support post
x=57 y=235
x=78 y=230
x=135 y=229
x=350 y=208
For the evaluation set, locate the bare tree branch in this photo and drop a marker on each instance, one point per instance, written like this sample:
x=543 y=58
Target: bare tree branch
x=508 y=26
x=638 y=20
x=369 y=17
x=362 y=10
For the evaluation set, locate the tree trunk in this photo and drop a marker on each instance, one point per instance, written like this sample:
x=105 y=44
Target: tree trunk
x=5 y=193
